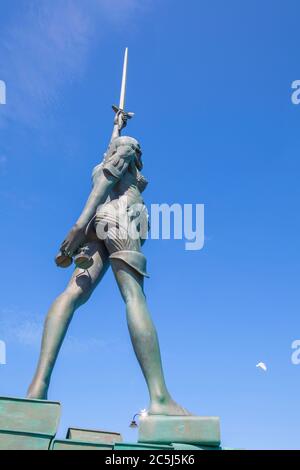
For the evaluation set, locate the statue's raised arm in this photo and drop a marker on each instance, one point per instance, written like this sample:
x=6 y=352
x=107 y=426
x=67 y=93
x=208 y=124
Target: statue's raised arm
x=77 y=235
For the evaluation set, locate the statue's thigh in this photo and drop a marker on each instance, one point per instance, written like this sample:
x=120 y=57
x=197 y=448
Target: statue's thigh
x=84 y=281
x=129 y=281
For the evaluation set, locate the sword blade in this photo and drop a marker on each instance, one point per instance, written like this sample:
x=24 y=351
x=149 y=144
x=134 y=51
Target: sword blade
x=124 y=77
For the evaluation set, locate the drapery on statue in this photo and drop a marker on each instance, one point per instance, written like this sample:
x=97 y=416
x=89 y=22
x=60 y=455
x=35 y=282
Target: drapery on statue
x=116 y=193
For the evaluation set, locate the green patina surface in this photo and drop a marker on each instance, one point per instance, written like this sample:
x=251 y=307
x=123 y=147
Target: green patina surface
x=182 y=446
x=32 y=425
x=197 y=430
x=27 y=424
x=88 y=435
x=71 y=444
x=140 y=446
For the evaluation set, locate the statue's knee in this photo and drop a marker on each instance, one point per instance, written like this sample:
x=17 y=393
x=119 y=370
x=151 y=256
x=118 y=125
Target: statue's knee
x=83 y=282
x=133 y=294
x=80 y=289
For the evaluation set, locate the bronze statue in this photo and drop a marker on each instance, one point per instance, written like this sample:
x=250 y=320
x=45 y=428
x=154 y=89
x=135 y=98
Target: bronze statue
x=114 y=203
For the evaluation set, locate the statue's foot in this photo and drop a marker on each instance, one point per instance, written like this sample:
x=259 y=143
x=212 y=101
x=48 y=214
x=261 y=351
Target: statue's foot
x=38 y=391
x=168 y=408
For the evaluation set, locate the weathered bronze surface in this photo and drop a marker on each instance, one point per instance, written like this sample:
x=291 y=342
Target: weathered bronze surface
x=27 y=424
x=115 y=197
x=96 y=437
x=198 y=430
x=68 y=444
x=102 y=237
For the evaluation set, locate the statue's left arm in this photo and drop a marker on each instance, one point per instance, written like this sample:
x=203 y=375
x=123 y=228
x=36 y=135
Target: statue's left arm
x=99 y=194
x=107 y=178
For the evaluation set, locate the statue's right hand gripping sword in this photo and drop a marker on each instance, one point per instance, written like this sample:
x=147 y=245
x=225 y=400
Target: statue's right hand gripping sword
x=121 y=107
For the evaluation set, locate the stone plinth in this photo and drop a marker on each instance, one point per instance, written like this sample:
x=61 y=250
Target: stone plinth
x=71 y=444
x=197 y=430
x=27 y=424
x=94 y=436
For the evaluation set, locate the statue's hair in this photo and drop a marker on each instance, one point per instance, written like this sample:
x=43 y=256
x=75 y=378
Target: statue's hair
x=128 y=141
x=118 y=142
x=112 y=149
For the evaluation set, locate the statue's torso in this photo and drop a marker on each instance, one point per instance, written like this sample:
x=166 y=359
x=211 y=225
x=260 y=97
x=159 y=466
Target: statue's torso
x=124 y=199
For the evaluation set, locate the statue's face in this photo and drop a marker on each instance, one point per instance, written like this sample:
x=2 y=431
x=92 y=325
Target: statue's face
x=138 y=151
x=138 y=158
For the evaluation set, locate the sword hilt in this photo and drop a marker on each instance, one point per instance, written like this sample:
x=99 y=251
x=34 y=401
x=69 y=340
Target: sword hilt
x=117 y=109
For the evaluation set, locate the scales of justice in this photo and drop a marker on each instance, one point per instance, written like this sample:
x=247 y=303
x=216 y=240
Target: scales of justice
x=109 y=232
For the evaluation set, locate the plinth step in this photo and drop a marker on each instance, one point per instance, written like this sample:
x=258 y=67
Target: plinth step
x=71 y=444
x=197 y=430
x=95 y=436
x=27 y=424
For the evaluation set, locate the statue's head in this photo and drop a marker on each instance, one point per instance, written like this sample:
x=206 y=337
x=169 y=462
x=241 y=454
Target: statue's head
x=127 y=141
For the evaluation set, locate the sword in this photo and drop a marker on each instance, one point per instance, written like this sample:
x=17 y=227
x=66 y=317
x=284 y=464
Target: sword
x=121 y=107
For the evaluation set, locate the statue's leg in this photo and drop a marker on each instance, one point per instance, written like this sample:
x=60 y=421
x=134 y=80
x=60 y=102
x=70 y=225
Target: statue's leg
x=144 y=339
x=77 y=292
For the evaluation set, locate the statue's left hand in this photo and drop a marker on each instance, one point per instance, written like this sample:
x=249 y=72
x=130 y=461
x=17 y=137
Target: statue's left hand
x=73 y=241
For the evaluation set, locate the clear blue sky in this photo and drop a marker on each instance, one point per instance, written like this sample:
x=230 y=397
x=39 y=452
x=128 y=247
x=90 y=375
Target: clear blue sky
x=210 y=83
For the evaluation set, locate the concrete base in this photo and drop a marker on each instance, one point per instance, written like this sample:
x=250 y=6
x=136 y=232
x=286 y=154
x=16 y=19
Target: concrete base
x=32 y=425
x=140 y=446
x=94 y=436
x=197 y=430
x=27 y=424
x=70 y=444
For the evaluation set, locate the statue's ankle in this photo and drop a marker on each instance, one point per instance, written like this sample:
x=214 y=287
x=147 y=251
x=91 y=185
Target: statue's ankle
x=161 y=398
